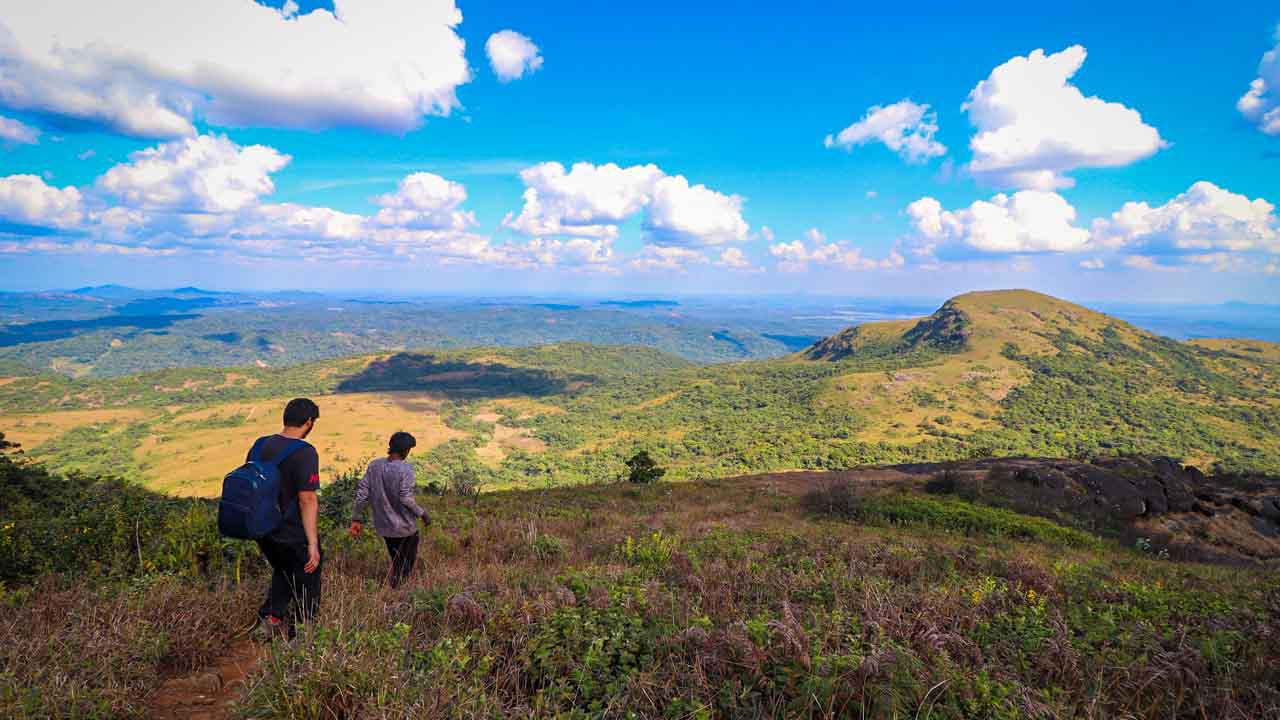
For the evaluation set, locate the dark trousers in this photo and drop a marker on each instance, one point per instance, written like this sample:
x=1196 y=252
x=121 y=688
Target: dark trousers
x=404 y=553
x=294 y=595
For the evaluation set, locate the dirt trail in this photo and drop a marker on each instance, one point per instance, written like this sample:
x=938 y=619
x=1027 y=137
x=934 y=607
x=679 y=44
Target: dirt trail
x=207 y=693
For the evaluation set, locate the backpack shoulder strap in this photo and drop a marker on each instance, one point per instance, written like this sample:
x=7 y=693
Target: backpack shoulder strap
x=255 y=453
x=289 y=449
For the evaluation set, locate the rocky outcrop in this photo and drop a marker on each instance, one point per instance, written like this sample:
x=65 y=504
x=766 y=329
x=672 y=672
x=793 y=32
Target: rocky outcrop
x=947 y=329
x=837 y=347
x=1172 y=505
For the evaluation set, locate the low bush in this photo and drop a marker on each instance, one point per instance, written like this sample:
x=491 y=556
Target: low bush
x=970 y=519
x=643 y=470
x=102 y=528
x=584 y=656
x=836 y=499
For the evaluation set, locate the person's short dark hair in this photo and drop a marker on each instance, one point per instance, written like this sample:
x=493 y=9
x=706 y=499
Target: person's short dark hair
x=401 y=443
x=299 y=411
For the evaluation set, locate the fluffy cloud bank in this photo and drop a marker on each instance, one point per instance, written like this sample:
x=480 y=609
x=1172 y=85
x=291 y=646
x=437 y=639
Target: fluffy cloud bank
x=681 y=214
x=799 y=255
x=511 y=55
x=1261 y=104
x=207 y=174
x=15 y=131
x=1033 y=125
x=1203 y=224
x=1029 y=221
x=148 y=69
x=209 y=195
x=904 y=127
x=27 y=200
x=590 y=201
x=425 y=201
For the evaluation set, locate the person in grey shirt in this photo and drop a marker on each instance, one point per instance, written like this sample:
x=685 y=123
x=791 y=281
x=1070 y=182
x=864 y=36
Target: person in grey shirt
x=388 y=486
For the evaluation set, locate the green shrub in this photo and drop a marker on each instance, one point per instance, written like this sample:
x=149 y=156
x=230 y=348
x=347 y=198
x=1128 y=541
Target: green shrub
x=642 y=470
x=583 y=657
x=836 y=499
x=954 y=515
x=652 y=553
x=464 y=483
x=103 y=527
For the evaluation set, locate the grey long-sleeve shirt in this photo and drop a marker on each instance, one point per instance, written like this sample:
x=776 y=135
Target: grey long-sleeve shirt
x=388 y=486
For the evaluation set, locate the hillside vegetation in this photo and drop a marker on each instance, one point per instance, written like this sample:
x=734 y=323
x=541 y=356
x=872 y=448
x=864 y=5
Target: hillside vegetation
x=813 y=595
x=96 y=332
x=989 y=374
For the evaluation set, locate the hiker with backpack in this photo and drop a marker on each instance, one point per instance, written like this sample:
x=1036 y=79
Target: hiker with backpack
x=272 y=499
x=388 y=486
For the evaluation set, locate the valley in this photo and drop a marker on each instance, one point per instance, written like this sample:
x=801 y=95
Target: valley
x=903 y=513
x=988 y=374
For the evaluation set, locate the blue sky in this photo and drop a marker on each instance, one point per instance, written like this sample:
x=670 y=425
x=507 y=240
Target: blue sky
x=730 y=105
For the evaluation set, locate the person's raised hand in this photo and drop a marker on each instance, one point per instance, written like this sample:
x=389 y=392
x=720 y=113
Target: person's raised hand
x=355 y=529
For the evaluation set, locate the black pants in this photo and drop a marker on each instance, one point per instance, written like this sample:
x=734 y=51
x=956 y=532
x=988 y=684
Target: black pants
x=294 y=595
x=404 y=553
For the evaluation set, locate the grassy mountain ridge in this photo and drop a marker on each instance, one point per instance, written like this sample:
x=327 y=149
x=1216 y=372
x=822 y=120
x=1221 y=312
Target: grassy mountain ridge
x=994 y=373
x=1020 y=367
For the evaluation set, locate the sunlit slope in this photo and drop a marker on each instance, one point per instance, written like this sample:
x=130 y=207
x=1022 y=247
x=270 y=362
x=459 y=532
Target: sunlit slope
x=180 y=431
x=1027 y=371
x=994 y=373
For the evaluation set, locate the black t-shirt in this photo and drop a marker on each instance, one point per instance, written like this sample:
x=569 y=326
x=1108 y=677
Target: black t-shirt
x=299 y=472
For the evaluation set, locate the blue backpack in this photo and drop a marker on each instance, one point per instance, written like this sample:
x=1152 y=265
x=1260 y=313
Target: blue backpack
x=250 y=505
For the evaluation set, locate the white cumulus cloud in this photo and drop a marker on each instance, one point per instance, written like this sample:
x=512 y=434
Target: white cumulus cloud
x=693 y=215
x=904 y=127
x=1033 y=125
x=511 y=55
x=208 y=173
x=1206 y=221
x=574 y=253
x=667 y=257
x=208 y=195
x=734 y=259
x=148 y=69
x=1261 y=104
x=27 y=200
x=592 y=200
x=1029 y=221
x=17 y=132
x=799 y=255
x=425 y=201
x=587 y=201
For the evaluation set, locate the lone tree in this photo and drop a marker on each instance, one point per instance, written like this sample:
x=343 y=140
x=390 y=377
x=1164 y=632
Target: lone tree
x=644 y=470
x=465 y=483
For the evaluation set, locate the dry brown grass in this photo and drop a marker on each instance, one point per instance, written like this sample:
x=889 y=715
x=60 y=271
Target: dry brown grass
x=33 y=429
x=506 y=439
x=192 y=462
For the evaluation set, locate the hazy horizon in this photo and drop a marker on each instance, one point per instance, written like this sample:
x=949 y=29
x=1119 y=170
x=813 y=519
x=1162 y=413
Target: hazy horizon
x=451 y=148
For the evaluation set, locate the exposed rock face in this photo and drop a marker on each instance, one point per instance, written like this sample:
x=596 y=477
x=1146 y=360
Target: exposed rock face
x=837 y=347
x=1176 y=507
x=947 y=329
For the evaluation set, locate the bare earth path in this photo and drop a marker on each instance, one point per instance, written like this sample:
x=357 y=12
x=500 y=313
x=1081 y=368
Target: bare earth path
x=207 y=693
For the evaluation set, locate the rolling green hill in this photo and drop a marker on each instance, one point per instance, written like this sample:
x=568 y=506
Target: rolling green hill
x=995 y=373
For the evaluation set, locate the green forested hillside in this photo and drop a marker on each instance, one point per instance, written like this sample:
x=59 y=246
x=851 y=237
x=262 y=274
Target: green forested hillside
x=988 y=374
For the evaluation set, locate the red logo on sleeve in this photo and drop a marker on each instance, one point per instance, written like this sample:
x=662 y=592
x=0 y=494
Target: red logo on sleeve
x=314 y=481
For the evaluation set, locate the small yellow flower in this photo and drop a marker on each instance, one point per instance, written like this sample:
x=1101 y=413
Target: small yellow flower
x=1031 y=596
